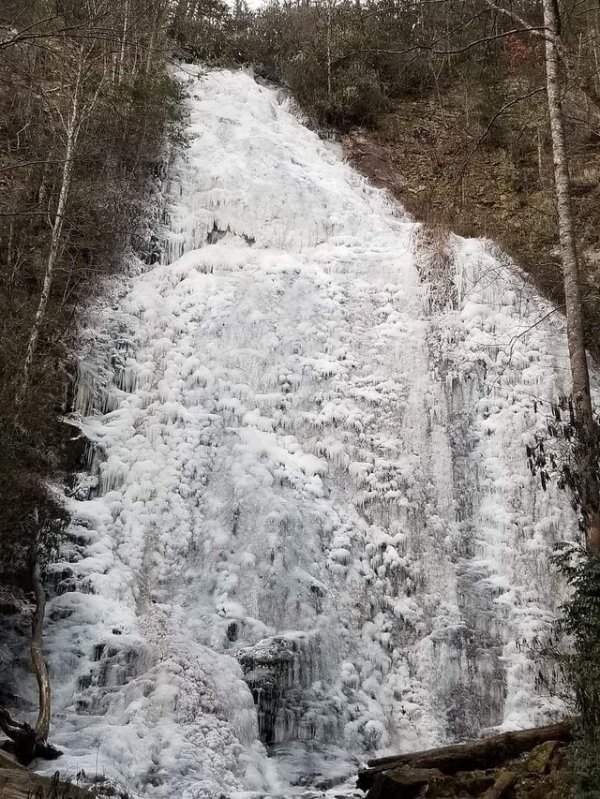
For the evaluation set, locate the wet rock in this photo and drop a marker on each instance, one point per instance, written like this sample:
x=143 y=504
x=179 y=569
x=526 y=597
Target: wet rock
x=74 y=446
x=503 y=783
x=8 y=608
x=473 y=783
x=540 y=758
x=280 y=672
x=232 y=631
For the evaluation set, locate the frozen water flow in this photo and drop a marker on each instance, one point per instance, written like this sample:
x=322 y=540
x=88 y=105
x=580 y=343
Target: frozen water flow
x=309 y=532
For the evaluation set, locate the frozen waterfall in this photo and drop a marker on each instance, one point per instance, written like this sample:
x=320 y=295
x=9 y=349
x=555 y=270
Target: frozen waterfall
x=308 y=531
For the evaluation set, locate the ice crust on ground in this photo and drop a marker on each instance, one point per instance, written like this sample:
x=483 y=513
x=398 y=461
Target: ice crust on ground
x=308 y=531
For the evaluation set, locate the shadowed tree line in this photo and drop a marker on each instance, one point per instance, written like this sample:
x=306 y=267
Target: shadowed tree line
x=87 y=112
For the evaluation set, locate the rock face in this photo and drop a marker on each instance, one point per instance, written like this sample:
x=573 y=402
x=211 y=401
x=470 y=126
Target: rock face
x=281 y=672
x=526 y=765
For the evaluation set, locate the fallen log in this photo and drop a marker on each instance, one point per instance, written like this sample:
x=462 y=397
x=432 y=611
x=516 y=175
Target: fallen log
x=406 y=783
x=484 y=753
x=23 y=784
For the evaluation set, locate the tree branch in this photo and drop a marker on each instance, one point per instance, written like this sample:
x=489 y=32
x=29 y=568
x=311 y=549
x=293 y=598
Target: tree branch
x=430 y=48
x=498 y=114
x=518 y=19
x=30 y=163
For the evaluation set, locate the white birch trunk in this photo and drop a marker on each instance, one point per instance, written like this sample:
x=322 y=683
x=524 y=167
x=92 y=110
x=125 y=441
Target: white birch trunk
x=329 y=23
x=123 y=41
x=577 y=355
x=540 y=158
x=150 y=48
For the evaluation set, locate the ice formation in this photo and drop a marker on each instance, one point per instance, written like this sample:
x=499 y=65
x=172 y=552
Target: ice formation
x=308 y=531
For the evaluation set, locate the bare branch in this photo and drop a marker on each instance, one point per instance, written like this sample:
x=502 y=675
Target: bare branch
x=514 y=16
x=25 y=164
x=435 y=51
x=490 y=124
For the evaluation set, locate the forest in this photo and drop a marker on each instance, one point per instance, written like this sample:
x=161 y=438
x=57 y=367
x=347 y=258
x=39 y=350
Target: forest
x=481 y=117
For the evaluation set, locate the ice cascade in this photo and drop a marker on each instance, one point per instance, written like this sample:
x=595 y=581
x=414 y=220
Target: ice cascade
x=307 y=531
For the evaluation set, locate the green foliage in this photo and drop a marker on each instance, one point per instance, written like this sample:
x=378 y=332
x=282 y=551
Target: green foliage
x=358 y=98
x=203 y=34
x=570 y=454
x=585 y=766
x=580 y=622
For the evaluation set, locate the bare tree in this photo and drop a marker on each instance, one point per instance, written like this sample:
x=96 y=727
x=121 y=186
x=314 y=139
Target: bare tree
x=78 y=156
x=562 y=188
x=29 y=742
x=570 y=266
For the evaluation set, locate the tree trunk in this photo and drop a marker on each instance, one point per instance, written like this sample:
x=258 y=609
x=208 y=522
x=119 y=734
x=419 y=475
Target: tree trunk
x=329 y=34
x=562 y=187
x=575 y=337
x=150 y=46
x=42 y=727
x=27 y=742
x=123 y=41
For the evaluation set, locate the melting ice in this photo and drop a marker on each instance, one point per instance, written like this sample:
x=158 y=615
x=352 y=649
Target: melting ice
x=308 y=531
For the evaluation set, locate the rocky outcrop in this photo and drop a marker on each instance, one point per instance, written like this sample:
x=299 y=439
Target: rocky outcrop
x=529 y=764
x=280 y=671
